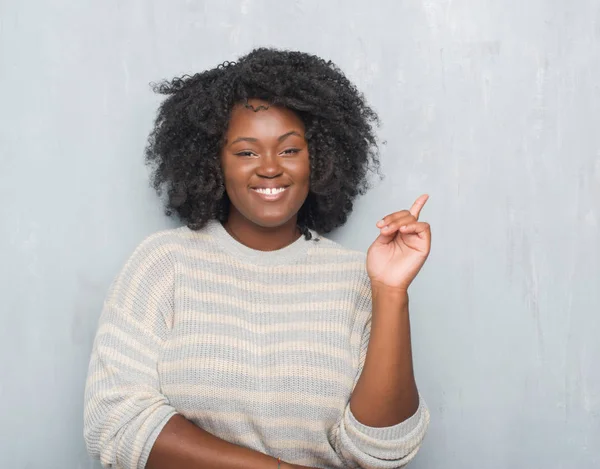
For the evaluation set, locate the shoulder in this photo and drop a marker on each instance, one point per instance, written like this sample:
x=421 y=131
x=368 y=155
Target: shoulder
x=348 y=266
x=349 y=263
x=158 y=253
x=151 y=268
x=169 y=243
x=328 y=249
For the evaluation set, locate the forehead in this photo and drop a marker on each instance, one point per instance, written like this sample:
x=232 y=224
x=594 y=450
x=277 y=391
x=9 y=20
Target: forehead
x=272 y=121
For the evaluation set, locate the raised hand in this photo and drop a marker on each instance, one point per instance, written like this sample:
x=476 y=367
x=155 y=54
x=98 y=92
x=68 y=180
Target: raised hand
x=397 y=255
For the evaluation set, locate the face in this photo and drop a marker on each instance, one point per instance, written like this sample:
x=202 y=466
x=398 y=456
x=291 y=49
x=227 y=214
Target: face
x=265 y=164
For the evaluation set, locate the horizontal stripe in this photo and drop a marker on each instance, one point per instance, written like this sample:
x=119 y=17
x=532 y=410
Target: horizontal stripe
x=256 y=284
x=114 y=314
x=265 y=308
x=255 y=397
x=203 y=319
x=111 y=357
x=256 y=349
x=292 y=357
x=223 y=381
x=209 y=259
x=265 y=421
x=149 y=290
x=112 y=368
x=184 y=235
x=198 y=346
x=112 y=336
x=187 y=319
x=267 y=434
x=121 y=403
x=99 y=378
x=321 y=334
x=278 y=371
x=222 y=401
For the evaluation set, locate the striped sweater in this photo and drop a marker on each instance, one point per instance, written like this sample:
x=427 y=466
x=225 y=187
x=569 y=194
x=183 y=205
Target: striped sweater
x=262 y=349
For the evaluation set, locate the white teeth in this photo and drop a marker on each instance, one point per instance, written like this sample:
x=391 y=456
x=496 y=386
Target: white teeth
x=270 y=191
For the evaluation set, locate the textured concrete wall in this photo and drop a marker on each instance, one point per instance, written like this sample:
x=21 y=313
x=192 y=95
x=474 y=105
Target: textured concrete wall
x=490 y=106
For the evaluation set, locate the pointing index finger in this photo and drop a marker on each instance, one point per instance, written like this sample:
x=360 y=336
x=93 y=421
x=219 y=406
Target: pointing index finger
x=415 y=210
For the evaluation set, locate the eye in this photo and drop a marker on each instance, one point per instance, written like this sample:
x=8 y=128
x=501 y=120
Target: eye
x=291 y=151
x=245 y=153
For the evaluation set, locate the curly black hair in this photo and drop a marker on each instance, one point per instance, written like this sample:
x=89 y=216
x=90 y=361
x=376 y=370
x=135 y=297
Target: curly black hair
x=184 y=146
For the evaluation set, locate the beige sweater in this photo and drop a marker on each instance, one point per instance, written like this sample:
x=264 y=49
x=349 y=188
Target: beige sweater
x=262 y=349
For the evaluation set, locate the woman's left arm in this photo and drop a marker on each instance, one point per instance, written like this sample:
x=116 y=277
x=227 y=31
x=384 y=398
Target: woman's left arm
x=386 y=393
x=386 y=419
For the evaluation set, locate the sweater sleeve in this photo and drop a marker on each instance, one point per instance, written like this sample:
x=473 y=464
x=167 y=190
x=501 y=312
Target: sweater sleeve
x=124 y=410
x=378 y=448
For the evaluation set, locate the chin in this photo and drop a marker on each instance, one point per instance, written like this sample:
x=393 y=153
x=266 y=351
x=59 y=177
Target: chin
x=273 y=220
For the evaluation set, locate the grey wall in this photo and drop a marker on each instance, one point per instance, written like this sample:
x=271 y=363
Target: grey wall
x=493 y=107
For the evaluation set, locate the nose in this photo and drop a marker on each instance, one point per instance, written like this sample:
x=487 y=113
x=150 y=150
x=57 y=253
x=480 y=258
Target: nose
x=270 y=166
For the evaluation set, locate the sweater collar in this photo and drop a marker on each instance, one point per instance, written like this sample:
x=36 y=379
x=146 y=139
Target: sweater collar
x=286 y=255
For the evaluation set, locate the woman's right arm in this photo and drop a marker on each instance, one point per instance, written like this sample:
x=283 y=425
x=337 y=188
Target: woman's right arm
x=128 y=422
x=183 y=445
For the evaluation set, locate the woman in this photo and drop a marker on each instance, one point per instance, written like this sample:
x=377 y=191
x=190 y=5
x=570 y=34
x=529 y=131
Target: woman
x=244 y=339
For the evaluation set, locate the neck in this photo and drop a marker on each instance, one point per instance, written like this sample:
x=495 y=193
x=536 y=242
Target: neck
x=259 y=237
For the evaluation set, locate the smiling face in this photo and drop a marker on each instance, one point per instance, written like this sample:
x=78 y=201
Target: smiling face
x=265 y=165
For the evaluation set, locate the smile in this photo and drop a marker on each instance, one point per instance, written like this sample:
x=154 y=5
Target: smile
x=269 y=193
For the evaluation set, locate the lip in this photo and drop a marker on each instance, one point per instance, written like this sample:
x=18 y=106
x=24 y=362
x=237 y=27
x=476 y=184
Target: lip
x=270 y=186
x=270 y=197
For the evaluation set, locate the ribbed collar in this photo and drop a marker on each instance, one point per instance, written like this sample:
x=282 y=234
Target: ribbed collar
x=286 y=255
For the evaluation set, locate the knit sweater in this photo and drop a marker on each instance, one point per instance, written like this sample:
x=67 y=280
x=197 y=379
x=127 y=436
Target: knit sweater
x=261 y=349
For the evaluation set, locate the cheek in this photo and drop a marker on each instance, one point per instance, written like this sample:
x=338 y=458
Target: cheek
x=234 y=175
x=303 y=171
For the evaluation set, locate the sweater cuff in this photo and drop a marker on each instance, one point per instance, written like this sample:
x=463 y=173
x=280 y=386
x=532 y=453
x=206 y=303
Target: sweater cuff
x=166 y=414
x=399 y=431
x=396 y=444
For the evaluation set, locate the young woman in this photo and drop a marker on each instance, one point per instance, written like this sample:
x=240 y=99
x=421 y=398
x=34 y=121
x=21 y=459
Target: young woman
x=245 y=339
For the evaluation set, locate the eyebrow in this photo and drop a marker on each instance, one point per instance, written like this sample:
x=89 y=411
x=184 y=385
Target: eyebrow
x=254 y=140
